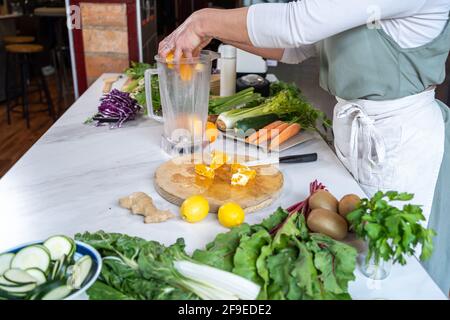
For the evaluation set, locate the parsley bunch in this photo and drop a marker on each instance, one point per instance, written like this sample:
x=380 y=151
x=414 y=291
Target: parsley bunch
x=391 y=232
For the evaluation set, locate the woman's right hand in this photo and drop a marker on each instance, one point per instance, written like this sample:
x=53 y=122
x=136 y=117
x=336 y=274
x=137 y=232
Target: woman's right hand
x=187 y=40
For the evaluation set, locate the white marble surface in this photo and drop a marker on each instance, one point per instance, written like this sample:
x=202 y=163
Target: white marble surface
x=71 y=179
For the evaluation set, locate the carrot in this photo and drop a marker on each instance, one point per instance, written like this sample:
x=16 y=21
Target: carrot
x=284 y=135
x=253 y=137
x=272 y=133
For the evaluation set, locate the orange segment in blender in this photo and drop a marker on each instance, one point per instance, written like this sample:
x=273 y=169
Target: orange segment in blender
x=211 y=132
x=204 y=171
x=185 y=69
x=169 y=59
x=185 y=72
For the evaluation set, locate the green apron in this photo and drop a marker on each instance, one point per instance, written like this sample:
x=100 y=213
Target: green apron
x=365 y=63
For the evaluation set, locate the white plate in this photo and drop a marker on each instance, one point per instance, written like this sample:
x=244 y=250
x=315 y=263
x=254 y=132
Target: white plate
x=301 y=137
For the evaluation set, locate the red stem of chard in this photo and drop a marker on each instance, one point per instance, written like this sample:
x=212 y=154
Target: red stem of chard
x=301 y=207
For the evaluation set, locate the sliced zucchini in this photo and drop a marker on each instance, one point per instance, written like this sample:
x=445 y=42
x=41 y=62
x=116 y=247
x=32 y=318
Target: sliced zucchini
x=9 y=296
x=37 y=274
x=35 y=256
x=20 y=289
x=55 y=269
x=59 y=268
x=44 y=288
x=5 y=282
x=58 y=293
x=74 y=248
x=59 y=246
x=19 y=277
x=80 y=272
x=5 y=262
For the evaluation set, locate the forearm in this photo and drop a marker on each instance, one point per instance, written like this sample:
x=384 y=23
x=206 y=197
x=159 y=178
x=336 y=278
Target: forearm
x=289 y=55
x=227 y=25
x=274 y=54
x=293 y=24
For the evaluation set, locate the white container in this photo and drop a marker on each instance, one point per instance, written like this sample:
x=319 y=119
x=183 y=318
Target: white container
x=227 y=71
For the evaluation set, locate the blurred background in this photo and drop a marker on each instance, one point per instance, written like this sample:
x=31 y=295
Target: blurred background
x=45 y=66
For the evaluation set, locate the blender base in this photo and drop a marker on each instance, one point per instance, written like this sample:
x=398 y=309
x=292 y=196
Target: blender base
x=175 y=149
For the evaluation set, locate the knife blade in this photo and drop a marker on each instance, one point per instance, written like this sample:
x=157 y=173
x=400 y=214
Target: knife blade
x=298 y=158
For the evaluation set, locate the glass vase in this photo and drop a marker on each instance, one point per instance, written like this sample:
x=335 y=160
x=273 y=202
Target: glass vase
x=372 y=269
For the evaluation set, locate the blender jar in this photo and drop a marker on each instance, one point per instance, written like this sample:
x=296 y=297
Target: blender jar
x=184 y=92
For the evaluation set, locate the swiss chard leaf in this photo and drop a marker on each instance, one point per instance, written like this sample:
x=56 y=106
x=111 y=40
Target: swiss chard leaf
x=101 y=291
x=262 y=269
x=247 y=254
x=220 y=252
x=306 y=274
x=274 y=219
x=336 y=262
x=280 y=267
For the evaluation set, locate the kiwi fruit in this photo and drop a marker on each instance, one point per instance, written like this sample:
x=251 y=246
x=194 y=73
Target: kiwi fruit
x=327 y=222
x=348 y=203
x=323 y=199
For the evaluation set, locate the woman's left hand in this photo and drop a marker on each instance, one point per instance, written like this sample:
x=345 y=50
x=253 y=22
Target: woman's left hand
x=187 y=40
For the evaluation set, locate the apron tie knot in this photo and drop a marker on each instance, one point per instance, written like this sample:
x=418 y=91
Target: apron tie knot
x=365 y=140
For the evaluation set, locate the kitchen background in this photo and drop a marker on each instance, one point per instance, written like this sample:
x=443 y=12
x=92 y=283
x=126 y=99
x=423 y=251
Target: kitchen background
x=113 y=33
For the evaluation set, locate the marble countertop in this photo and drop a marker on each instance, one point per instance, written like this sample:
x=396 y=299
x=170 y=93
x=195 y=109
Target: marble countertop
x=71 y=179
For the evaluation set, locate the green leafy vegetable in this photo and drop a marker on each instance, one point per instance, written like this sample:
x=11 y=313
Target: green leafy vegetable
x=219 y=253
x=289 y=264
x=136 y=87
x=391 y=232
x=278 y=86
x=137 y=70
x=247 y=253
x=138 y=269
x=128 y=267
x=287 y=103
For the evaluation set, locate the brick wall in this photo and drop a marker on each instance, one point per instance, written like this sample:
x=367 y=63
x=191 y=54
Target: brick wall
x=105 y=38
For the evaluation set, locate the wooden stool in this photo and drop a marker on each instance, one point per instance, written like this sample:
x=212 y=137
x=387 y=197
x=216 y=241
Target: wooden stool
x=18 y=39
x=23 y=52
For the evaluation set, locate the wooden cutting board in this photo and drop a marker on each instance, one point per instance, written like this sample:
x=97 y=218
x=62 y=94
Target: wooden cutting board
x=176 y=180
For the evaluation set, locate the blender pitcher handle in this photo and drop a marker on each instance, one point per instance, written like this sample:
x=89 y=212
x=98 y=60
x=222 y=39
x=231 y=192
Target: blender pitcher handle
x=148 y=93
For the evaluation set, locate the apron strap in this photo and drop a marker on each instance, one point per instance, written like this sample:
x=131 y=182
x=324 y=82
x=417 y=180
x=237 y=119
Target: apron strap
x=365 y=140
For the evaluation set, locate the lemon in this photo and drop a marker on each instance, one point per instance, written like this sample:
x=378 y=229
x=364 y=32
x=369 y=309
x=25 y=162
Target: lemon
x=194 y=209
x=231 y=215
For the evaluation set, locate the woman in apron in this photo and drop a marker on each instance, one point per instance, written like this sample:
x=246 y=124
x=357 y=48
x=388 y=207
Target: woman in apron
x=382 y=60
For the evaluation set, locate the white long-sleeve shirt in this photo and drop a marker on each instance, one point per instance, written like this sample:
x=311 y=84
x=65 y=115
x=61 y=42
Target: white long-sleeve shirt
x=297 y=26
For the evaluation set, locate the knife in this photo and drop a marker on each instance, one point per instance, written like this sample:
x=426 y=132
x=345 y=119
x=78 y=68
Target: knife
x=298 y=158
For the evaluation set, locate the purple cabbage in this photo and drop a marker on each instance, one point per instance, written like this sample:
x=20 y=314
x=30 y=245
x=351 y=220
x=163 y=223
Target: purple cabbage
x=117 y=107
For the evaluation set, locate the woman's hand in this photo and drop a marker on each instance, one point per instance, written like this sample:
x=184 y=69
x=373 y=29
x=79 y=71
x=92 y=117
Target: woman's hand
x=187 y=40
x=203 y=25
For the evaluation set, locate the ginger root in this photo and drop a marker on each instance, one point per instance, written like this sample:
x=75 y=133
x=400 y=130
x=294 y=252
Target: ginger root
x=142 y=204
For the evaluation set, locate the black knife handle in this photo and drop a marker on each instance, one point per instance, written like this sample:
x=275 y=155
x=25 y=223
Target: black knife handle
x=299 y=158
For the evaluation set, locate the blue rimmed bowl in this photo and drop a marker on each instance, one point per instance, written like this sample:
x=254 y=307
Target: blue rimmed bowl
x=81 y=250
